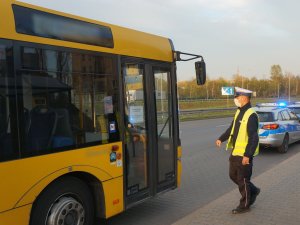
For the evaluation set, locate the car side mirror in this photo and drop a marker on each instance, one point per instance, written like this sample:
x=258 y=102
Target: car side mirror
x=200 y=72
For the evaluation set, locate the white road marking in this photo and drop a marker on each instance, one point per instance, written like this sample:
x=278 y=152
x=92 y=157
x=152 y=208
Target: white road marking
x=224 y=125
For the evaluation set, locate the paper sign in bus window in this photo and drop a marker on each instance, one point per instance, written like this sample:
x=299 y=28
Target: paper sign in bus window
x=136 y=114
x=112 y=127
x=108 y=105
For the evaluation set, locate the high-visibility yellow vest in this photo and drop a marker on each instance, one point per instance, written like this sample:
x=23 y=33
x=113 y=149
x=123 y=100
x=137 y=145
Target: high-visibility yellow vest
x=242 y=137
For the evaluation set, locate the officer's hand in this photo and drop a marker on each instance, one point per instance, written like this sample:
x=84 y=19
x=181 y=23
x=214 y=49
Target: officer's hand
x=218 y=143
x=245 y=160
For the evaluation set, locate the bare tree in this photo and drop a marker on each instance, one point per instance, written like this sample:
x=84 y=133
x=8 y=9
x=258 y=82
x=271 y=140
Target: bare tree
x=277 y=77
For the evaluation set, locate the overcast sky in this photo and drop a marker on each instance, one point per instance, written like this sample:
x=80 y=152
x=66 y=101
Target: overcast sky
x=231 y=35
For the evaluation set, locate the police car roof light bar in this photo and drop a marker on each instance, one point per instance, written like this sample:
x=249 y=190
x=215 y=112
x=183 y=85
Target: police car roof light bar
x=272 y=104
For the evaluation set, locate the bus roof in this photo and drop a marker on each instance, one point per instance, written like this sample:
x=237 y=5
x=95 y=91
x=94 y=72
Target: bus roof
x=127 y=42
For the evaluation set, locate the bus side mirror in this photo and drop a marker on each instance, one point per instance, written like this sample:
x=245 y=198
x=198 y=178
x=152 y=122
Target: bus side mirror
x=200 y=72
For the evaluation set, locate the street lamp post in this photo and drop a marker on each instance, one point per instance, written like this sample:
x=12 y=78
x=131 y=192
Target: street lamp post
x=289 y=87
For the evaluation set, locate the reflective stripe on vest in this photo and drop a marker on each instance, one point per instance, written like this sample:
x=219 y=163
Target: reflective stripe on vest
x=242 y=137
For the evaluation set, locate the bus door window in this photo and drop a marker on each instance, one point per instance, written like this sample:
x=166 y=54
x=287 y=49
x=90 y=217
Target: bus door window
x=8 y=111
x=163 y=100
x=136 y=130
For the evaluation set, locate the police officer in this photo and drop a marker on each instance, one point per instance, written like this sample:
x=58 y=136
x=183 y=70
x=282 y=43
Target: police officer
x=242 y=136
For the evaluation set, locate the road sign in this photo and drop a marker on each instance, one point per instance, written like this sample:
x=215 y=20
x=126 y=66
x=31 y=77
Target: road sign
x=227 y=91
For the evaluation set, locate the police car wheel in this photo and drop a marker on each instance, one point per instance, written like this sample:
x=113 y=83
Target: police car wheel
x=285 y=144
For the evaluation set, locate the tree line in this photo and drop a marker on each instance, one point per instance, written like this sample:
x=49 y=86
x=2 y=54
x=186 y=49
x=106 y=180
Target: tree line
x=278 y=86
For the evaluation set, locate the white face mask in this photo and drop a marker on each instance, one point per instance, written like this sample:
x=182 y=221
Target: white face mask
x=237 y=103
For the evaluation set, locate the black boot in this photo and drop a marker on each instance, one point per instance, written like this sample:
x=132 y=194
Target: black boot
x=253 y=197
x=240 y=210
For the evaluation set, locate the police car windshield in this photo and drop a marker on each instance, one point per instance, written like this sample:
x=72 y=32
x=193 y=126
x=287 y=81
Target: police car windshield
x=265 y=116
x=295 y=110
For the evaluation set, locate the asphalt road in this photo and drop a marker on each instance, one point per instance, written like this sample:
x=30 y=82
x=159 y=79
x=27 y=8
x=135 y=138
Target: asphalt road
x=204 y=177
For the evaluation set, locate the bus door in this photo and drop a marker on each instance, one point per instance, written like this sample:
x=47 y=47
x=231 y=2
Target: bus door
x=165 y=148
x=148 y=118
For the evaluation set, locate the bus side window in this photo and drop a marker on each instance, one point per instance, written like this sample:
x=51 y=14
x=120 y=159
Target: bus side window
x=63 y=135
x=5 y=135
x=3 y=118
x=8 y=121
x=82 y=105
x=42 y=128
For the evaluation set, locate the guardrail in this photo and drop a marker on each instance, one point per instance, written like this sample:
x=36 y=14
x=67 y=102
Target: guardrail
x=198 y=111
x=225 y=99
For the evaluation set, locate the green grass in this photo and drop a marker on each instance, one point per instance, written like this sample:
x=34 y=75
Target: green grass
x=184 y=105
x=210 y=104
x=220 y=103
x=207 y=115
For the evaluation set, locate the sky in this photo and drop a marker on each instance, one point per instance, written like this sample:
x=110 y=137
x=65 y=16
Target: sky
x=245 y=36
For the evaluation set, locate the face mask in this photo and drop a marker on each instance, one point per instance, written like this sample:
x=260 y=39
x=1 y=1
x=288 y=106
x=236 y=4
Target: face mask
x=237 y=103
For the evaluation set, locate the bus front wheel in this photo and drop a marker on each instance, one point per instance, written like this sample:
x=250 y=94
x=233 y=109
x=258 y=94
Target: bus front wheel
x=66 y=201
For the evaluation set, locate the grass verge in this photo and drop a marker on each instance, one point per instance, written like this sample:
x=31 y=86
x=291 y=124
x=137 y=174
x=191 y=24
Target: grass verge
x=210 y=104
x=207 y=115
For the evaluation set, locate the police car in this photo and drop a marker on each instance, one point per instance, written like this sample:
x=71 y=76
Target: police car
x=278 y=126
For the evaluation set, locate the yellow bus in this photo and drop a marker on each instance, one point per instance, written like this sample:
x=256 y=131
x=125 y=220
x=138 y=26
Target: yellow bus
x=88 y=117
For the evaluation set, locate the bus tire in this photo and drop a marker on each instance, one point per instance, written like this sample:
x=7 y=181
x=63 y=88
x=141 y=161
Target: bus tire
x=66 y=201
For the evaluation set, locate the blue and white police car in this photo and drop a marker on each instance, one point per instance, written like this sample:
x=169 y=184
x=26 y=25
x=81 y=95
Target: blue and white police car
x=278 y=126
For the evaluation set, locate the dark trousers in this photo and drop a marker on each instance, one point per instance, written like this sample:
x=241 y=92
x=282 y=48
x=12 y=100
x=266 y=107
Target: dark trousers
x=241 y=175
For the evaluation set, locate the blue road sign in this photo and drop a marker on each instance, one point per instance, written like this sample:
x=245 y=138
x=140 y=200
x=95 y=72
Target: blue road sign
x=227 y=91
